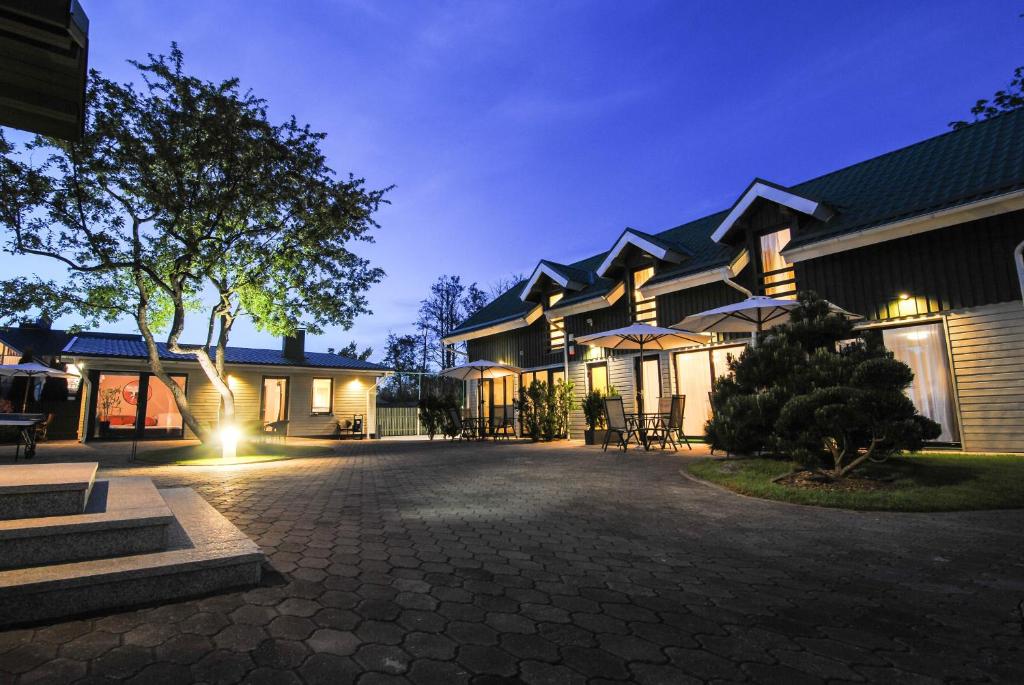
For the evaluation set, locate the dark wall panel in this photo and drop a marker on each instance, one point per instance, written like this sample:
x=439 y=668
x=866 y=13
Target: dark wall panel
x=674 y=307
x=961 y=266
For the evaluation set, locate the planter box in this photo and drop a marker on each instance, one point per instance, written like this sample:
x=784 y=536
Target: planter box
x=594 y=437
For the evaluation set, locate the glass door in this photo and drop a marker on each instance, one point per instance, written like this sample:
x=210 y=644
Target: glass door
x=117 y=405
x=693 y=378
x=651 y=381
x=160 y=416
x=274 y=406
x=923 y=349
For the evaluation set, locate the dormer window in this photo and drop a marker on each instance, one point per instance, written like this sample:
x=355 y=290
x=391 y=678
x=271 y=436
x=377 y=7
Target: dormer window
x=645 y=310
x=556 y=326
x=776 y=275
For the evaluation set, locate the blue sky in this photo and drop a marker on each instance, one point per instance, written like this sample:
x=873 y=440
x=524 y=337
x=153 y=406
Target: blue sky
x=519 y=130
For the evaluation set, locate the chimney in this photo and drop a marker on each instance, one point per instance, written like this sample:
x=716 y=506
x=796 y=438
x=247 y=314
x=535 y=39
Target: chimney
x=294 y=346
x=41 y=323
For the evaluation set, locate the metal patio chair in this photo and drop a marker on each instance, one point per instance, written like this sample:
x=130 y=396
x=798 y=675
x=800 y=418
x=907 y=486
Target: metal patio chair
x=502 y=424
x=618 y=423
x=674 y=425
x=461 y=429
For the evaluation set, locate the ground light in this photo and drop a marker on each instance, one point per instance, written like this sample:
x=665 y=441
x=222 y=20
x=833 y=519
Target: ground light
x=229 y=443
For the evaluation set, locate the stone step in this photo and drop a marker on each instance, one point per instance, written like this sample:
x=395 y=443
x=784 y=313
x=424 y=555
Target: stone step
x=206 y=553
x=35 y=490
x=123 y=516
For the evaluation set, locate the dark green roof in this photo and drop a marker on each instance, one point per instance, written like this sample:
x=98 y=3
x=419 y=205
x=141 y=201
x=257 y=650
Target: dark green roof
x=979 y=161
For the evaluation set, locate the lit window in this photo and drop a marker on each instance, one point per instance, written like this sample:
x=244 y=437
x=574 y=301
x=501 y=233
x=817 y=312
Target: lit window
x=9 y=355
x=645 y=310
x=598 y=377
x=777 y=276
x=323 y=390
x=556 y=327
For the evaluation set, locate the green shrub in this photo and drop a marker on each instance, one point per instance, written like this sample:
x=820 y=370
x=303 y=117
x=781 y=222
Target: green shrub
x=544 y=410
x=593 y=409
x=436 y=416
x=814 y=391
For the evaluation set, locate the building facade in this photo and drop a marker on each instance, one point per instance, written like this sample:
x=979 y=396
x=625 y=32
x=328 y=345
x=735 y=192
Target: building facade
x=925 y=242
x=310 y=392
x=58 y=398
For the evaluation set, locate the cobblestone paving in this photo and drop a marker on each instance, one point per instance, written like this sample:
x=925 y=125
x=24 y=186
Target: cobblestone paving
x=435 y=563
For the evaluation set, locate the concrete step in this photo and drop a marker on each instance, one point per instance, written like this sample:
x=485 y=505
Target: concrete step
x=206 y=553
x=123 y=516
x=34 y=490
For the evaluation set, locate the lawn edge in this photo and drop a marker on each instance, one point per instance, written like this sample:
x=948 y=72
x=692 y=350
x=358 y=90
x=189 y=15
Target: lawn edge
x=685 y=472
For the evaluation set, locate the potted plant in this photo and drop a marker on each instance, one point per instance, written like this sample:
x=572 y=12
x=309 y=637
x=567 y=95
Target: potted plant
x=109 y=400
x=593 y=412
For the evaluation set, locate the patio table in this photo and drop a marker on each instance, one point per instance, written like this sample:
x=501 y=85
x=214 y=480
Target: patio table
x=26 y=425
x=649 y=426
x=477 y=425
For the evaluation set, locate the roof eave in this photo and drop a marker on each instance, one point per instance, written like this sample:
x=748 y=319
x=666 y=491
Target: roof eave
x=698 y=278
x=970 y=211
x=590 y=304
x=66 y=354
x=634 y=238
x=508 y=324
x=774 y=193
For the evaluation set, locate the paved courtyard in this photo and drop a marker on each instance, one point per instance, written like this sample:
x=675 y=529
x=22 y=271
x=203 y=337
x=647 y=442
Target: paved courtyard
x=439 y=563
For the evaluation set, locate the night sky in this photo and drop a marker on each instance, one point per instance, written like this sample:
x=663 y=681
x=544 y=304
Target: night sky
x=520 y=130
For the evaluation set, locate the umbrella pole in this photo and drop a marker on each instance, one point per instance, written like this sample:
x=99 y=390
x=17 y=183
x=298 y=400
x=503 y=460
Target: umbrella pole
x=24 y=399
x=480 y=410
x=640 y=383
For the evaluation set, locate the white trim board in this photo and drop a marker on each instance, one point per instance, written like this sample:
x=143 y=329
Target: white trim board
x=589 y=305
x=981 y=209
x=510 y=325
x=775 y=194
x=700 y=278
x=630 y=237
x=545 y=270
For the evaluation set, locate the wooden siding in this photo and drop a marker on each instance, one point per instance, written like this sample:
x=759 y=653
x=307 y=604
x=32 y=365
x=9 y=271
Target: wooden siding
x=523 y=347
x=987 y=346
x=674 y=307
x=353 y=394
x=952 y=268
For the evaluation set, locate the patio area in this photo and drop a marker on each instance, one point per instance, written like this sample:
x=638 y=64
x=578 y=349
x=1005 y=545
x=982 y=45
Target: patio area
x=405 y=561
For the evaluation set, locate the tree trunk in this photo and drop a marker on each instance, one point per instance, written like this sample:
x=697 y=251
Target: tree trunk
x=180 y=400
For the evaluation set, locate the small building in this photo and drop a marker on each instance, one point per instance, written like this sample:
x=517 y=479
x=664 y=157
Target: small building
x=311 y=391
x=925 y=242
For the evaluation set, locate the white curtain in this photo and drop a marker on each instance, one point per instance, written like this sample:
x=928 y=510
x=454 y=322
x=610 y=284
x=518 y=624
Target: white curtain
x=273 y=399
x=923 y=349
x=652 y=385
x=693 y=379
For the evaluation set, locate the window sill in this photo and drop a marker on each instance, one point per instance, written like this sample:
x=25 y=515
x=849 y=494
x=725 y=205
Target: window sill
x=321 y=413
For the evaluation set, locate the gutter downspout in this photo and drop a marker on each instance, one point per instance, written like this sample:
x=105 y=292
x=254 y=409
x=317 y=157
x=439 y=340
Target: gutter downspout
x=1018 y=258
x=736 y=285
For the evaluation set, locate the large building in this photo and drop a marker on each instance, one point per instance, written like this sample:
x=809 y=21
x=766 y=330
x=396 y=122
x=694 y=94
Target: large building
x=925 y=242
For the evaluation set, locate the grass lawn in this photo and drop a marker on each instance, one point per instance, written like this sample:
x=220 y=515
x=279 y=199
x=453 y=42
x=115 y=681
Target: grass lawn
x=248 y=453
x=922 y=482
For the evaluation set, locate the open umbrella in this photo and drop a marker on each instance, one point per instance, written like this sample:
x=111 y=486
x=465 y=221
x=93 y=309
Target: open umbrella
x=30 y=370
x=638 y=337
x=752 y=315
x=480 y=370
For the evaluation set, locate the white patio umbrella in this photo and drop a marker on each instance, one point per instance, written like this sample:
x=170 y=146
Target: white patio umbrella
x=638 y=337
x=752 y=315
x=479 y=371
x=30 y=370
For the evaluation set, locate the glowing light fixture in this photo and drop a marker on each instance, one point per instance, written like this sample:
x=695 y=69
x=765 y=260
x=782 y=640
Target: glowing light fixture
x=229 y=442
x=906 y=305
